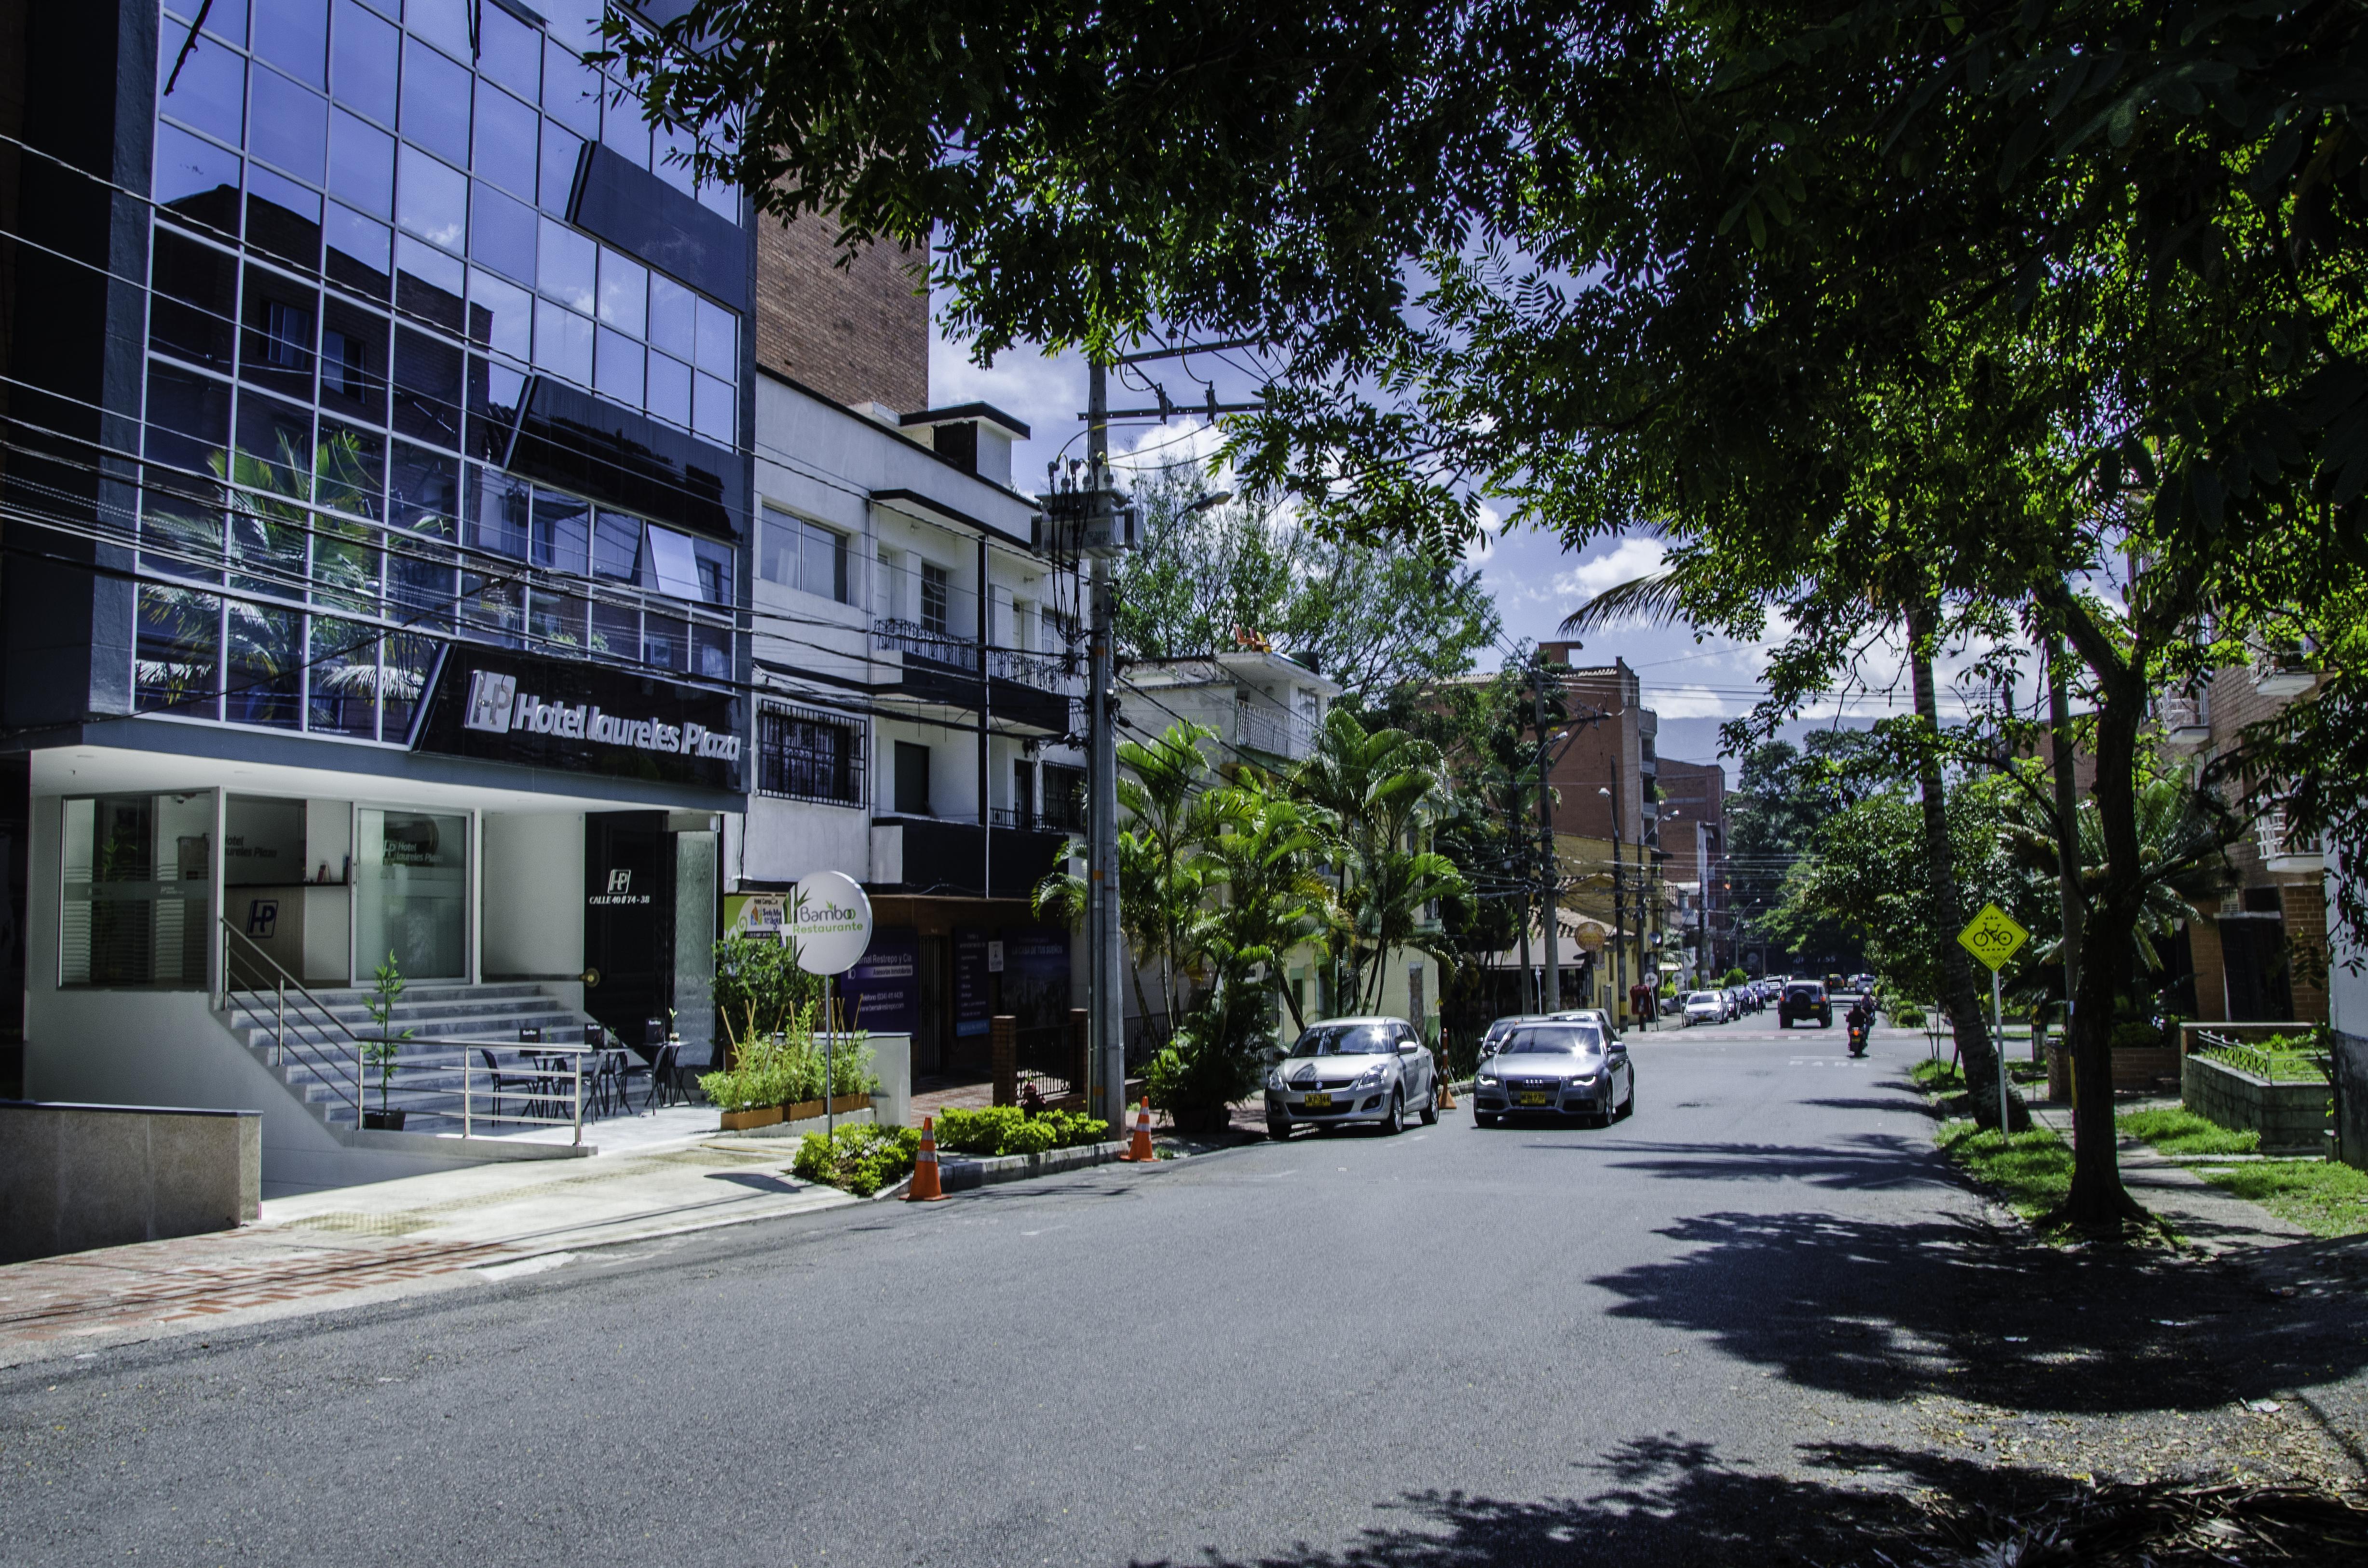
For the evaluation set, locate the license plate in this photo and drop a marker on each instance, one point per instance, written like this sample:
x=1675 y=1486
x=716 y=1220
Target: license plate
x=1533 y=1096
x=1316 y=1102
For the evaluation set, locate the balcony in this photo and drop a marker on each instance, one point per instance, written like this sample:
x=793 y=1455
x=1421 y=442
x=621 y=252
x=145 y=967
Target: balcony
x=1028 y=690
x=2286 y=670
x=2186 y=720
x=2284 y=850
x=1273 y=732
x=925 y=856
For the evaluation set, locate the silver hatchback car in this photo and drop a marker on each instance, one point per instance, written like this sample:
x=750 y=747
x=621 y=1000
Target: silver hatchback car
x=1362 y=1070
x=1555 y=1067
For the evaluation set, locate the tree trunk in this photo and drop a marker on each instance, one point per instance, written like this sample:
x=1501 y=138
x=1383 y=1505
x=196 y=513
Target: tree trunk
x=1958 y=994
x=2107 y=937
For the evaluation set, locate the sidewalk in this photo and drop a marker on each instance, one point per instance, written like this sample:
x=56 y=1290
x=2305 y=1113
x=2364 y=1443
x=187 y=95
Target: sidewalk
x=370 y=1243
x=2206 y=1217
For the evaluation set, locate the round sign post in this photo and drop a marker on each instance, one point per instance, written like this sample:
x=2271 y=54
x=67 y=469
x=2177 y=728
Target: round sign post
x=830 y=928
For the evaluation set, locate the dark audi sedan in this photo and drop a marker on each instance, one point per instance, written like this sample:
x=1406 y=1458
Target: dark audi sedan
x=1554 y=1069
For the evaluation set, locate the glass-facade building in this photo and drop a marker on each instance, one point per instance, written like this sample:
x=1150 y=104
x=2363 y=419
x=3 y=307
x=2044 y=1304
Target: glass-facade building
x=377 y=501
x=361 y=256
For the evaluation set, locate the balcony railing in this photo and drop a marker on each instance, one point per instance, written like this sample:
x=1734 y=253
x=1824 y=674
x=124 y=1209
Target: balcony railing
x=1040 y=671
x=1035 y=670
x=2186 y=719
x=923 y=642
x=2283 y=848
x=1279 y=734
x=2284 y=671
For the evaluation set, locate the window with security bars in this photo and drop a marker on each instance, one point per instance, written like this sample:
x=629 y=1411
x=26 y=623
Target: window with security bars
x=806 y=755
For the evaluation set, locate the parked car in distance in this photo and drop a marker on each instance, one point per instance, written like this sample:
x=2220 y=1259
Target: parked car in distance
x=1555 y=1067
x=1705 y=1007
x=1352 y=1070
x=1596 y=1016
x=1804 y=1000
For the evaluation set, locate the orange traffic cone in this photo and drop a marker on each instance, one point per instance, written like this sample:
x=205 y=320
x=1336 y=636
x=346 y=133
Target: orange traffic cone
x=924 y=1187
x=1446 y=1096
x=1140 y=1150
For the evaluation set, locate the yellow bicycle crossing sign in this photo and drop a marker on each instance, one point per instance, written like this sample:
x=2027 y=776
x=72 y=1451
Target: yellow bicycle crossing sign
x=1992 y=937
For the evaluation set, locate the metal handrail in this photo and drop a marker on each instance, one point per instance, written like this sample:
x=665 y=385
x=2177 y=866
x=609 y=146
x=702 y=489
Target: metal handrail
x=2260 y=1064
x=573 y=1098
x=283 y=982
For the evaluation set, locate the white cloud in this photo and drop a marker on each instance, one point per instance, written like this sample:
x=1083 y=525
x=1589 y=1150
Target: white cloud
x=1686 y=701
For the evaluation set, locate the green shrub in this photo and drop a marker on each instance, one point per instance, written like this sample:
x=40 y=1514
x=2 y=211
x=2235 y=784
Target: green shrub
x=990 y=1130
x=2177 y=1131
x=1909 y=1016
x=788 y=1071
x=2135 y=1034
x=861 y=1158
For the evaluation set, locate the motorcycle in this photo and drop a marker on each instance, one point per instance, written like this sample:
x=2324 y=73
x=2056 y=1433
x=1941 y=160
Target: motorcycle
x=1857 y=1038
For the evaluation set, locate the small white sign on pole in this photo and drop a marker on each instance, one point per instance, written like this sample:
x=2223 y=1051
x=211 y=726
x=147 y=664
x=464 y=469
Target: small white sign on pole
x=830 y=923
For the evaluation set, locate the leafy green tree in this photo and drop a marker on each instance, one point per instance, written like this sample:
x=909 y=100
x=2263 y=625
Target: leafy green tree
x=1869 y=870
x=1375 y=618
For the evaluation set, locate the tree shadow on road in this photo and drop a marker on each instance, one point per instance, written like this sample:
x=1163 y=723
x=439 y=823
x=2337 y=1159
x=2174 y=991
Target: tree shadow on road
x=1866 y=1161
x=1668 y=1501
x=1890 y=1310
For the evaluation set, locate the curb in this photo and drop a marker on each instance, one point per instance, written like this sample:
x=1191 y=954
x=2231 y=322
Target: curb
x=963 y=1174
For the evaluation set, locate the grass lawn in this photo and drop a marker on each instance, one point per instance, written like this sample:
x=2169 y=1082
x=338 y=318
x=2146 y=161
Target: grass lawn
x=2033 y=1168
x=2322 y=1197
x=2175 y=1130
x=1939 y=1076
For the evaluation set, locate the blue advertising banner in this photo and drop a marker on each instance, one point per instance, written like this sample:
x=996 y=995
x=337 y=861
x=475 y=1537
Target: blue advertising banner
x=1036 y=977
x=883 y=989
x=973 y=989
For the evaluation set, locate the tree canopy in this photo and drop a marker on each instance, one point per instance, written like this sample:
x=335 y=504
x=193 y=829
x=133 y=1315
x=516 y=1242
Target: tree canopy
x=1371 y=615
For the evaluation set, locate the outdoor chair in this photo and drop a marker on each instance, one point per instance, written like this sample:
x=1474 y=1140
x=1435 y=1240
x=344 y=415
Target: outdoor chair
x=630 y=1067
x=526 y=1083
x=665 y=1078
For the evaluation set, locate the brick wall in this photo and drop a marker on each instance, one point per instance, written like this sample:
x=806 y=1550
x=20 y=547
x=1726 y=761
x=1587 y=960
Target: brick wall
x=2304 y=907
x=855 y=335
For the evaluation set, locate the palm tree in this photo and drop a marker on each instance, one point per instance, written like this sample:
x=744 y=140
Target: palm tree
x=1270 y=899
x=2183 y=835
x=1374 y=791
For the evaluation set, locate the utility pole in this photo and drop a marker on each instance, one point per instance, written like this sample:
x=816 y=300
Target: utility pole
x=1618 y=896
x=1106 y=1021
x=1548 y=871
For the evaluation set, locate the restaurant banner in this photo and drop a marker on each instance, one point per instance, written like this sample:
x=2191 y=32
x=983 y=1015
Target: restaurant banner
x=973 y=989
x=504 y=707
x=883 y=989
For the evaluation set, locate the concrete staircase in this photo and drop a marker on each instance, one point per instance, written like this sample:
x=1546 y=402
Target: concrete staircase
x=311 y=1047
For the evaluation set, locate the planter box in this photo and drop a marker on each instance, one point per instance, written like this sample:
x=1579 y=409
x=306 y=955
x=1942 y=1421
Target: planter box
x=756 y=1115
x=806 y=1110
x=2291 y=1118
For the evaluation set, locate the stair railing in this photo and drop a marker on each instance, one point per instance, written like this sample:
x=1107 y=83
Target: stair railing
x=243 y=956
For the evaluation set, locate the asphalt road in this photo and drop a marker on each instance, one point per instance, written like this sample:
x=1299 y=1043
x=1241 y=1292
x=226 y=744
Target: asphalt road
x=1693 y=1336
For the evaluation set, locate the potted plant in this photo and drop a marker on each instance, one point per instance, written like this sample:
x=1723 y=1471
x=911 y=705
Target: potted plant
x=381 y=1051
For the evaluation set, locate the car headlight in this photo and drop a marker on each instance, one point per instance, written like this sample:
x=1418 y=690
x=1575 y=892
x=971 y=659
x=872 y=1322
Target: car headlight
x=1485 y=1080
x=1373 y=1074
x=1274 y=1079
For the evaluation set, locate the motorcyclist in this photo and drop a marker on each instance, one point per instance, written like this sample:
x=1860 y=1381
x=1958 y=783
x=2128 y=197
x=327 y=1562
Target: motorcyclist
x=1860 y=1021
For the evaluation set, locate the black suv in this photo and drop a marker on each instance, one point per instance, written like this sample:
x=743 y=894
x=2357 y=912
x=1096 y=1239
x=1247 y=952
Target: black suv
x=1803 y=1000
